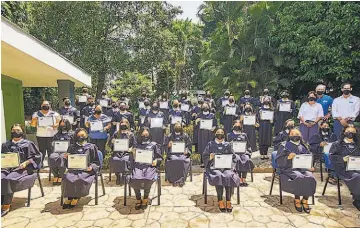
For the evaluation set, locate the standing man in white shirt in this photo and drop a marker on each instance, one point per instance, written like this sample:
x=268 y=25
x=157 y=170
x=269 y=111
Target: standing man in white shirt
x=310 y=114
x=46 y=121
x=345 y=109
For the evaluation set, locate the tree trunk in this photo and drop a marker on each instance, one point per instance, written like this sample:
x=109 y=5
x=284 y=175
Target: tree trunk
x=100 y=84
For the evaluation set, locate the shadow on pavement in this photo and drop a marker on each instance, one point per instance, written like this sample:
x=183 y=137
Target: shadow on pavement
x=130 y=205
x=55 y=208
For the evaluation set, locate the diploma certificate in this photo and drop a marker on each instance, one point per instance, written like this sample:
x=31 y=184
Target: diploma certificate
x=267 y=115
x=284 y=107
x=239 y=147
x=156 y=123
x=61 y=146
x=164 y=105
x=121 y=145
x=104 y=103
x=178 y=147
x=141 y=104
x=327 y=147
x=353 y=164
x=142 y=119
x=82 y=99
x=185 y=107
x=96 y=126
x=46 y=121
x=175 y=119
x=69 y=118
x=10 y=160
x=206 y=124
x=224 y=102
x=144 y=156
x=303 y=161
x=223 y=161
x=78 y=161
x=230 y=111
x=249 y=120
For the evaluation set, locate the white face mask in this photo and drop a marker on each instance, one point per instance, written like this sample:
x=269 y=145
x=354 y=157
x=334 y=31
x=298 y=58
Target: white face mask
x=206 y=113
x=247 y=96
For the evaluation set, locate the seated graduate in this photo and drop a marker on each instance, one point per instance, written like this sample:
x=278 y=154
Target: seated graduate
x=243 y=160
x=340 y=151
x=57 y=161
x=175 y=114
x=144 y=175
x=177 y=163
x=299 y=182
x=119 y=161
x=157 y=131
x=14 y=179
x=283 y=135
x=77 y=182
x=321 y=139
x=220 y=178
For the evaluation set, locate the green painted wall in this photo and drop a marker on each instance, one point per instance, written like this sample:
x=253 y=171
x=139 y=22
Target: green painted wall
x=13 y=102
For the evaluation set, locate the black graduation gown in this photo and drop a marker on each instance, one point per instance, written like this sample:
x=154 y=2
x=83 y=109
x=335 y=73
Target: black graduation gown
x=187 y=114
x=228 y=120
x=57 y=160
x=157 y=134
x=251 y=134
x=87 y=111
x=119 y=161
x=205 y=136
x=281 y=117
x=195 y=110
x=177 y=165
x=265 y=129
x=318 y=138
x=338 y=151
x=16 y=179
x=118 y=116
x=243 y=160
x=111 y=114
x=281 y=137
x=77 y=183
x=176 y=113
x=71 y=111
x=166 y=110
x=299 y=182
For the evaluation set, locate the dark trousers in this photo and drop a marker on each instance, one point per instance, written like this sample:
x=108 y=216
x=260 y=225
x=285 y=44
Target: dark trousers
x=45 y=145
x=58 y=171
x=243 y=175
x=6 y=199
x=263 y=149
x=100 y=143
x=138 y=193
x=220 y=192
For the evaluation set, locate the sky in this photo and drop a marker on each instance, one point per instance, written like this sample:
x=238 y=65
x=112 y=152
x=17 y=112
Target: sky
x=190 y=9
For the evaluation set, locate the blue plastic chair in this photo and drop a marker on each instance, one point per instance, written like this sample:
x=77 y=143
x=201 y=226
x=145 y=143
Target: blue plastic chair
x=330 y=169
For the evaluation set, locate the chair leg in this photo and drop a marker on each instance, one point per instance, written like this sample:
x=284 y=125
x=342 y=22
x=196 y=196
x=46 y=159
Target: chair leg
x=281 y=199
x=205 y=190
x=49 y=174
x=96 y=189
x=102 y=183
x=129 y=190
x=238 y=194
x=252 y=176
x=29 y=197
x=159 y=189
x=125 y=194
x=339 y=193
x=40 y=185
x=313 y=199
x=191 y=172
x=272 y=182
x=109 y=176
x=62 y=195
x=326 y=183
x=321 y=171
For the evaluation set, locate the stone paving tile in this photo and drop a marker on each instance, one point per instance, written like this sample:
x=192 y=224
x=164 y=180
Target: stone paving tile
x=183 y=207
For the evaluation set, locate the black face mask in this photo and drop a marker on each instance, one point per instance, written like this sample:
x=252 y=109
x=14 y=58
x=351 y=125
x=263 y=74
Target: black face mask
x=266 y=103
x=319 y=93
x=143 y=95
x=227 y=94
x=103 y=94
x=145 y=138
x=247 y=93
x=266 y=93
x=81 y=139
x=346 y=91
x=17 y=134
x=123 y=127
x=208 y=95
x=237 y=128
x=114 y=106
x=231 y=100
x=91 y=103
x=285 y=96
x=290 y=127
x=295 y=138
x=97 y=112
x=67 y=103
x=325 y=129
x=146 y=104
x=219 y=136
x=155 y=108
x=177 y=129
x=176 y=105
x=311 y=98
x=61 y=128
x=122 y=108
x=349 y=135
x=45 y=107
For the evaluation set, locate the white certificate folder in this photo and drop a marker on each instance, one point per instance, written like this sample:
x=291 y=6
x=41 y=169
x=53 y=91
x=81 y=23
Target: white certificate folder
x=178 y=147
x=353 y=164
x=223 y=161
x=78 y=161
x=10 y=160
x=61 y=146
x=302 y=161
x=144 y=156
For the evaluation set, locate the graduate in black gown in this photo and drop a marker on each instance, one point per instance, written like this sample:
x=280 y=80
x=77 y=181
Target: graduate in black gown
x=247 y=98
x=143 y=112
x=210 y=101
x=57 y=160
x=144 y=175
x=157 y=132
x=177 y=164
x=186 y=106
x=77 y=183
x=18 y=178
x=205 y=135
x=222 y=102
x=221 y=178
x=87 y=111
x=284 y=134
x=165 y=104
x=111 y=114
x=68 y=111
x=281 y=116
x=123 y=114
x=250 y=129
x=243 y=160
x=176 y=115
x=300 y=182
x=82 y=104
x=340 y=151
x=104 y=101
x=194 y=114
x=265 y=128
x=119 y=161
x=230 y=112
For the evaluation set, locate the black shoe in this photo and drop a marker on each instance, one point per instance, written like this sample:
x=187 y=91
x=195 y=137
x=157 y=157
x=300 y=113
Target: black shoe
x=145 y=205
x=266 y=158
x=202 y=166
x=4 y=212
x=222 y=209
x=356 y=204
x=66 y=206
x=262 y=158
x=306 y=209
x=138 y=205
x=181 y=184
x=244 y=184
x=299 y=209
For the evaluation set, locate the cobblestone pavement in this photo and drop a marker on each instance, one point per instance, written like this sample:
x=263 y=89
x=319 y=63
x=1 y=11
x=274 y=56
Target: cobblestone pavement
x=182 y=207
